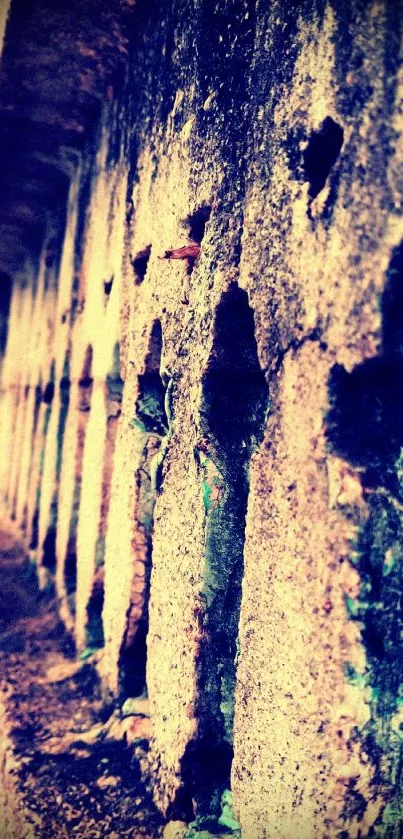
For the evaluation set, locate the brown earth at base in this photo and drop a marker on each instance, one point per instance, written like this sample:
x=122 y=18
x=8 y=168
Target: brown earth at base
x=66 y=769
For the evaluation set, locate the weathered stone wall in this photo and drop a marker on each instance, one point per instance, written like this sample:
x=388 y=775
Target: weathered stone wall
x=204 y=444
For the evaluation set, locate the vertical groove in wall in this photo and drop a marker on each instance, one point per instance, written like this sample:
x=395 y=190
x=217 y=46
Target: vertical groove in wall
x=152 y=426
x=48 y=543
x=232 y=420
x=25 y=495
x=47 y=400
x=85 y=385
x=70 y=488
x=91 y=546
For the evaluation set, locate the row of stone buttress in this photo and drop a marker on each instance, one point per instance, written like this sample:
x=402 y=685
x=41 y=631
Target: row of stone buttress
x=80 y=458
x=299 y=720
x=27 y=394
x=190 y=422
x=56 y=481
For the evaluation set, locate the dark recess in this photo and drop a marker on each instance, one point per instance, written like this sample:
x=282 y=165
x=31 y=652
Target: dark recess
x=232 y=420
x=140 y=265
x=150 y=410
x=151 y=418
x=319 y=157
x=108 y=286
x=95 y=629
x=197 y=223
x=47 y=399
x=49 y=393
x=85 y=385
x=49 y=542
x=365 y=426
x=365 y=420
x=197 y=226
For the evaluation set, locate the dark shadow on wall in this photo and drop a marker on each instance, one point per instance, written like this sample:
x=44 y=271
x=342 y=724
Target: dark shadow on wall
x=140 y=265
x=365 y=427
x=47 y=400
x=113 y=391
x=37 y=405
x=49 y=543
x=321 y=153
x=233 y=415
x=152 y=422
x=84 y=393
x=365 y=420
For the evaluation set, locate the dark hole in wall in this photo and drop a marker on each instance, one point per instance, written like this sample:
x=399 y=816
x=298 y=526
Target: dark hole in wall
x=133 y=663
x=34 y=529
x=5 y=300
x=232 y=419
x=108 y=286
x=149 y=408
x=150 y=414
x=197 y=223
x=207 y=758
x=49 y=393
x=152 y=421
x=319 y=157
x=49 y=549
x=70 y=571
x=140 y=265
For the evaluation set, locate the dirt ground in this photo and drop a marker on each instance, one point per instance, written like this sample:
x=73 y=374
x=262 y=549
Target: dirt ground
x=74 y=775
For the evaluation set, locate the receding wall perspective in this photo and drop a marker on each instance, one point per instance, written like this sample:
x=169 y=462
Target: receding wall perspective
x=201 y=419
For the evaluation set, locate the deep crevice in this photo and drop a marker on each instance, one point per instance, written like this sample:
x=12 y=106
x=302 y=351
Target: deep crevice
x=113 y=399
x=140 y=264
x=232 y=420
x=49 y=544
x=84 y=394
x=47 y=399
x=108 y=286
x=365 y=419
x=321 y=153
x=365 y=426
x=152 y=422
x=94 y=629
x=37 y=405
x=197 y=223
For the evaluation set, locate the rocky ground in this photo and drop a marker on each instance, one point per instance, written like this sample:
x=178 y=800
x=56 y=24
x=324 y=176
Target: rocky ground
x=66 y=769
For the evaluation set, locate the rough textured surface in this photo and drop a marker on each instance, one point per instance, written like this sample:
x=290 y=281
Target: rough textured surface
x=206 y=449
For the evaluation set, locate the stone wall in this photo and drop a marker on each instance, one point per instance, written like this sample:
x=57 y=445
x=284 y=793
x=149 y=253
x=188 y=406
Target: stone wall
x=202 y=418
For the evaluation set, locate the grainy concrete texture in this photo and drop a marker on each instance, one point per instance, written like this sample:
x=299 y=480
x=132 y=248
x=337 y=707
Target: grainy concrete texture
x=201 y=419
